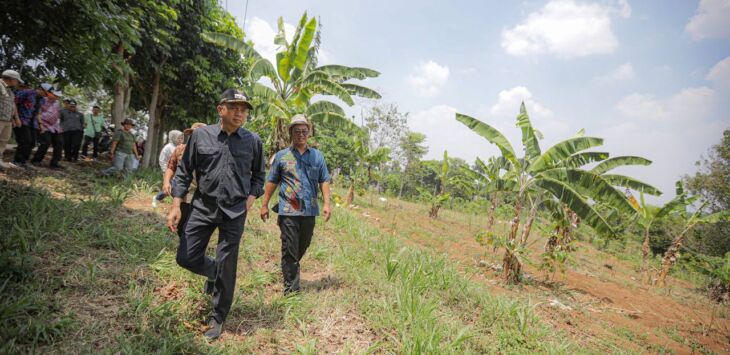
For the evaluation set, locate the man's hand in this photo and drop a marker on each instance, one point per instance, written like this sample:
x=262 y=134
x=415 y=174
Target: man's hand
x=167 y=187
x=173 y=217
x=17 y=123
x=327 y=212
x=264 y=213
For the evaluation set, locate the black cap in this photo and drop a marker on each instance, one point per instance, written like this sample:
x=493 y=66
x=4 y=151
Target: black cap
x=72 y=102
x=66 y=100
x=127 y=121
x=233 y=95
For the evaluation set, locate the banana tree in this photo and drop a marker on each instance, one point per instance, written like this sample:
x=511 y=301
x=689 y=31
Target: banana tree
x=647 y=215
x=297 y=80
x=440 y=196
x=672 y=254
x=487 y=176
x=542 y=176
x=367 y=162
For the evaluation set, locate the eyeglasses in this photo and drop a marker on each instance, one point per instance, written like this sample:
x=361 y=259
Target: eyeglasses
x=301 y=132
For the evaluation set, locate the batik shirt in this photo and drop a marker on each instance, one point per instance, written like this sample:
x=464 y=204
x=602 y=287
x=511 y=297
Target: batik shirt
x=28 y=105
x=7 y=102
x=298 y=176
x=50 y=120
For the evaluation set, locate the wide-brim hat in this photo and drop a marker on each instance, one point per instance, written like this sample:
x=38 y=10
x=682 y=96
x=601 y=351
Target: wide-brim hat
x=300 y=119
x=235 y=96
x=12 y=74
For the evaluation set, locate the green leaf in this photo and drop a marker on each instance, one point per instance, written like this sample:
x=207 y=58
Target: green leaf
x=631 y=183
x=324 y=106
x=361 y=91
x=593 y=186
x=262 y=67
x=576 y=203
x=579 y=159
x=280 y=38
x=283 y=64
x=615 y=162
x=553 y=156
x=491 y=134
x=263 y=93
x=348 y=72
x=529 y=138
x=304 y=43
x=230 y=42
x=331 y=88
x=715 y=217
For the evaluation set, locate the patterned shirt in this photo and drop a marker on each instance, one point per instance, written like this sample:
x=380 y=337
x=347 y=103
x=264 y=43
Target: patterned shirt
x=7 y=102
x=298 y=176
x=50 y=116
x=28 y=104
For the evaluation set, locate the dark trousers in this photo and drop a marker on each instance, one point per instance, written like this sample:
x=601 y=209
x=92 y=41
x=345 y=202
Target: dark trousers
x=25 y=137
x=47 y=139
x=191 y=254
x=72 y=144
x=85 y=148
x=296 y=235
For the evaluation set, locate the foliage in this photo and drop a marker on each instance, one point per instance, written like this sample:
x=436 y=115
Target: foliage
x=296 y=80
x=548 y=176
x=712 y=182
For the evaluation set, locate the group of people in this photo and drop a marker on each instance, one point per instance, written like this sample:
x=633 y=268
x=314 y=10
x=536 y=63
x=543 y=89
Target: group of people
x=222 y=164
x=37 y=116
x=224 y=167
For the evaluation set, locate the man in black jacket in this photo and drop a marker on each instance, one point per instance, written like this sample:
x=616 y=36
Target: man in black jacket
x=227 y=162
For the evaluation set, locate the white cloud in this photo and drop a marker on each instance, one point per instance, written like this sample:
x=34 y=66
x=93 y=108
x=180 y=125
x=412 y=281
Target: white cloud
x=685 y=106
x=672 y=132
x=622 y=72
x=624 y=9
x=262 y=34
x=443 y=132
x=428 y=78
x=566 y=29
x=710 y=20
x=720 y=73
x=509 y=102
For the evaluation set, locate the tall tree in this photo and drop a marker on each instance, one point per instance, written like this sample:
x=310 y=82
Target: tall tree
x=411 y=152
x=712 y=183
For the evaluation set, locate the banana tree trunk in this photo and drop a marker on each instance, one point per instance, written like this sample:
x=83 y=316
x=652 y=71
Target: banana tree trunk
x=434 y=212
x=645 y=250
x=670 y=257
x=492 y=212
x=511 y=266
x=350 y=195
x=528 y=225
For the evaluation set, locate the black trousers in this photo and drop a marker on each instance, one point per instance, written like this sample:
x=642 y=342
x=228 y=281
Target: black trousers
x=194 y=240
x=85 y=148
x=296 y=235
x=25 y=137
x=72 y=143
x=47 y=139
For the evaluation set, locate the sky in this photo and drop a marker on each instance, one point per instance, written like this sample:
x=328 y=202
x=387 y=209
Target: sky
x=651 y=77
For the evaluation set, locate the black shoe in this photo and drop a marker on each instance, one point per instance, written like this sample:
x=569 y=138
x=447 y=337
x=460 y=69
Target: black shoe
x=214 y=329
x=35 y=163
x=56 y=167
x=208 y=287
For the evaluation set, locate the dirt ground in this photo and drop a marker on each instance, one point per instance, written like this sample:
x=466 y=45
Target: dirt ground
x=599 y=298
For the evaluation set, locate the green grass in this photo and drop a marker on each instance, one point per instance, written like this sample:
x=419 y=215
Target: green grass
x=81 y=274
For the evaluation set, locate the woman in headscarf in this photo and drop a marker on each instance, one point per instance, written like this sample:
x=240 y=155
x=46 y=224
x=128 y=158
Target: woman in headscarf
x=174 y=138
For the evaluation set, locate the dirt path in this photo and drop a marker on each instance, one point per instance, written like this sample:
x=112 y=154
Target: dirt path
x=591 y=301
